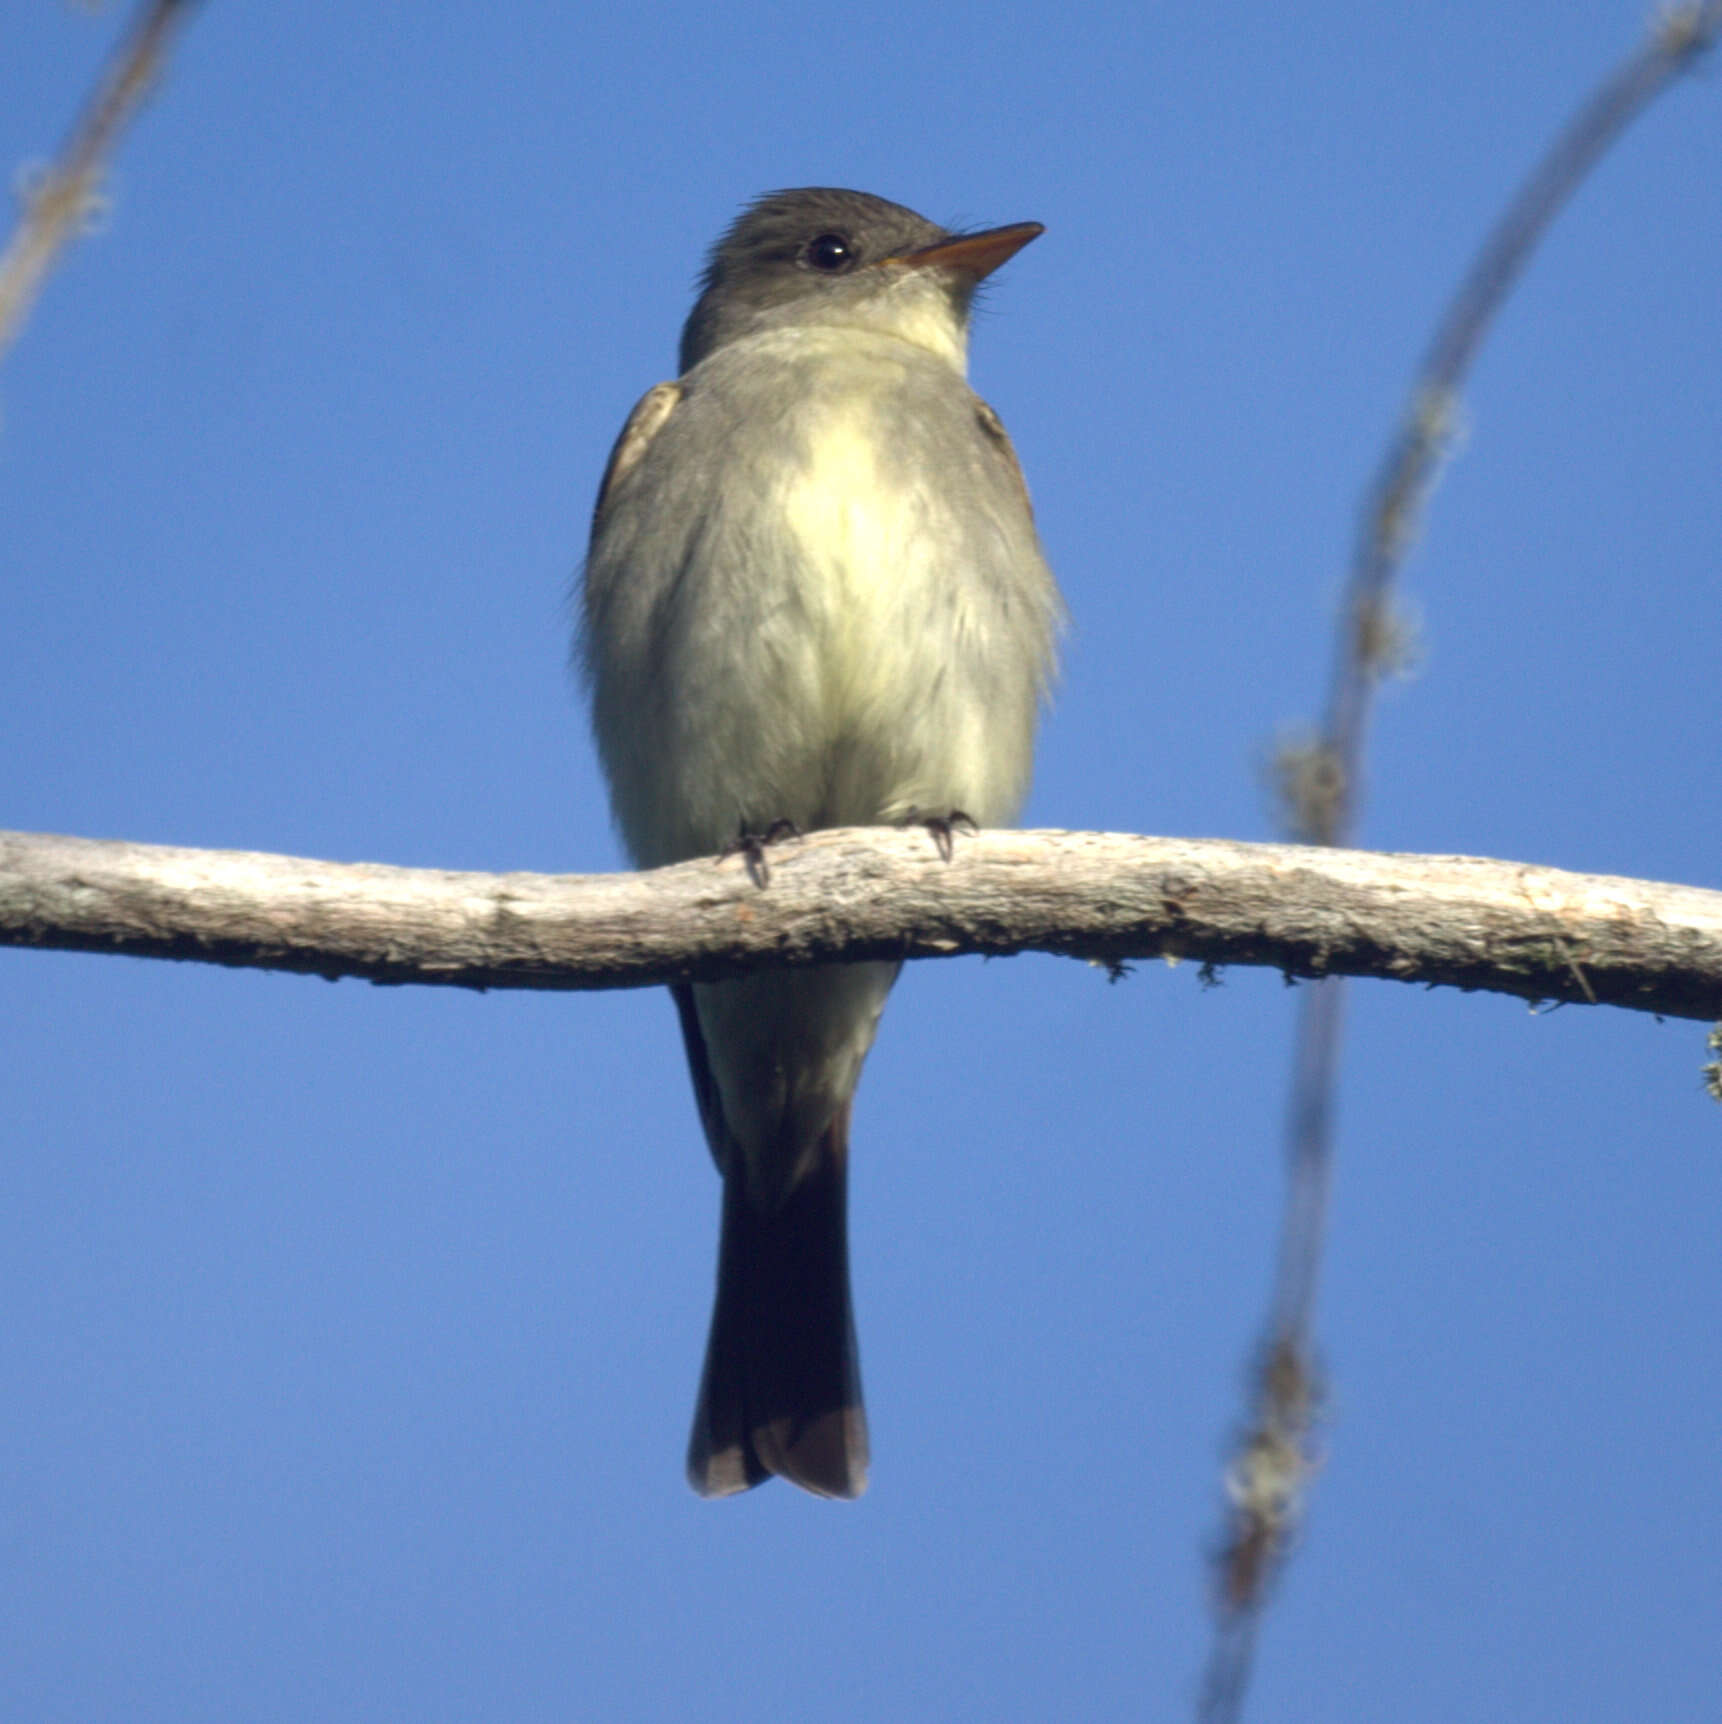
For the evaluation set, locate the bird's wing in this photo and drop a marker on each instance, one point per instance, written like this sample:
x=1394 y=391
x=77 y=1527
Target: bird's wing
x=651 y=413
x=998 y=438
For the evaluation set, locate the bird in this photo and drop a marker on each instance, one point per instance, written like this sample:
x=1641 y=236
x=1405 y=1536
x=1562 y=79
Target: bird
x=814 y=596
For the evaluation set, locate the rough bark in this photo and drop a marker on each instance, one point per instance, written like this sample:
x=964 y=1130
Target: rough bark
x=1454 y=920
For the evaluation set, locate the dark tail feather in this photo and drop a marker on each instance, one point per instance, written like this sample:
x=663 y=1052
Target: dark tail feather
x=781 y=1392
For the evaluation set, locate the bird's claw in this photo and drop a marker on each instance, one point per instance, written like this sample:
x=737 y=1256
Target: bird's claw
x=751 y=845
x=941 y=828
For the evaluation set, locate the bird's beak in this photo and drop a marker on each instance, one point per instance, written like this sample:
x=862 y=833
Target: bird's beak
x=973 y=254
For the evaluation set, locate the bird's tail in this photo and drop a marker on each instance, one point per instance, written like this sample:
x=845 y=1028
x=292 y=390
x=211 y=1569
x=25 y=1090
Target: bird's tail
x=781 y=1390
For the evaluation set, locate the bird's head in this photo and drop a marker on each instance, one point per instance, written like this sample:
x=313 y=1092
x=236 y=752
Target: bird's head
x=824 y=257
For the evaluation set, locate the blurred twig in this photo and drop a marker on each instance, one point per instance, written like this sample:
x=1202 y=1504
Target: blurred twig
x=1711 y=1070
x=1271 y=1466
x=56 y=206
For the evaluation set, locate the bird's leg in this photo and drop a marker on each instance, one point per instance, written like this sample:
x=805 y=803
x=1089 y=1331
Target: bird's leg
x=752 y=846
x=940 y=827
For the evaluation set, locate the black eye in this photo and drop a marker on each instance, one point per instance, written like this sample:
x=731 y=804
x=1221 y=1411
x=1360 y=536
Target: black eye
x=830 y=253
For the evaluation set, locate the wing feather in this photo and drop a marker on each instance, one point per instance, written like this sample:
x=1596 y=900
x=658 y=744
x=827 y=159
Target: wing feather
x=651 y=413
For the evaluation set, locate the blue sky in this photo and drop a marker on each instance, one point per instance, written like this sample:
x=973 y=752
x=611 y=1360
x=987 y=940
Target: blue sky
x=352 y=1334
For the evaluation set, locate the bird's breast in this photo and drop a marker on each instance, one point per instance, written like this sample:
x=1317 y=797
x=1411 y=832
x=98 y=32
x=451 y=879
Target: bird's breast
x=818 y=597
x=863 y=538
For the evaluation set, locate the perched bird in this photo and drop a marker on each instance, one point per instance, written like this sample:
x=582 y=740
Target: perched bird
x=814 y=597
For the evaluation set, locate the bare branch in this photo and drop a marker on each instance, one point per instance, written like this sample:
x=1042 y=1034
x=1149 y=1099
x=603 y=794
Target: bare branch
x=1458 y=921
x=1319 y=782
x=57 y=207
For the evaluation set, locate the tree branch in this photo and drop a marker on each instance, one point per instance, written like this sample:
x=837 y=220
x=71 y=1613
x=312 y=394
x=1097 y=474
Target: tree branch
x=58 y=204
x=1458 y=921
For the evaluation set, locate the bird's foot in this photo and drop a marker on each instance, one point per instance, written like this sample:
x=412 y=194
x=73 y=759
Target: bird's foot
x=941 y=827
x=752 y=846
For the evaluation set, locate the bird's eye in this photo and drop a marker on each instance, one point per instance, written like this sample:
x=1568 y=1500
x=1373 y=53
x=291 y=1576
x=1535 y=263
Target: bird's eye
x=830 y=253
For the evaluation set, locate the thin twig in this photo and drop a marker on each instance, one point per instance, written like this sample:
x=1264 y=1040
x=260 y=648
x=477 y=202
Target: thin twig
x=57 y=207
x=1320 y=783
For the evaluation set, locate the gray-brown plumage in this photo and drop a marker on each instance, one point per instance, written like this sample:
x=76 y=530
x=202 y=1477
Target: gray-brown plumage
x=814 y=595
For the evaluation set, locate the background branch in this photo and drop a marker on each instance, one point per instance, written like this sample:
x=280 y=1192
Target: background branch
x=1465 y=922
x=1320 y=784
x=58 y=205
